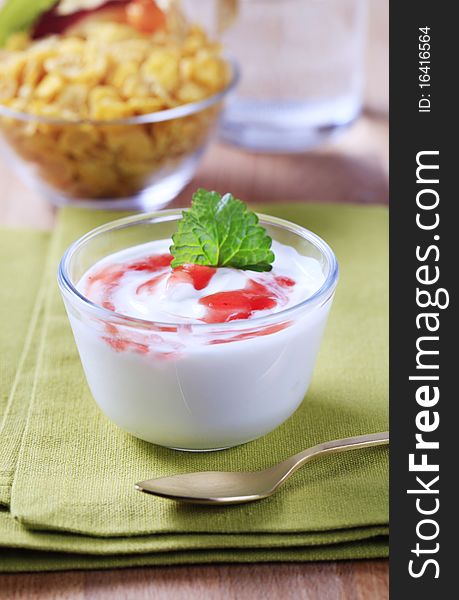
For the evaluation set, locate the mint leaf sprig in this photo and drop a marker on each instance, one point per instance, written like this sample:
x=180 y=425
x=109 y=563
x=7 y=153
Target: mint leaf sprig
x=220 y=231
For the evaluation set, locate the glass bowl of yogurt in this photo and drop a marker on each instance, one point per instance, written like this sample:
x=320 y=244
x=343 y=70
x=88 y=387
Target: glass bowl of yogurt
x=196 y=358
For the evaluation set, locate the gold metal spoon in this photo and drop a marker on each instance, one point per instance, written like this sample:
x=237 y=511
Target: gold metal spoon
x=219 y=487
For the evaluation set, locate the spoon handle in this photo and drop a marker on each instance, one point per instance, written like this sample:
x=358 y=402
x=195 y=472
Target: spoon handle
x=332 y=447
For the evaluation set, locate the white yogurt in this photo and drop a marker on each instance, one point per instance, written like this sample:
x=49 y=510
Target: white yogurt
x=195 y=384
x=172 y=298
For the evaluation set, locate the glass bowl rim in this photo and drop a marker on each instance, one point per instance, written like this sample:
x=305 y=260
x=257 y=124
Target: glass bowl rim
x=320 y=296
x=159 y=116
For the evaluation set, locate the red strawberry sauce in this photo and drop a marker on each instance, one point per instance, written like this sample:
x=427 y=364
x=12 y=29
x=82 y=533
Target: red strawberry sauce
x=221 y=306
x=198 y=275
x=238 y=304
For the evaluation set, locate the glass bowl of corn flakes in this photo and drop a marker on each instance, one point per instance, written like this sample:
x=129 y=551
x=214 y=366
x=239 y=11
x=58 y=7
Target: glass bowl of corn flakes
x=102 y=112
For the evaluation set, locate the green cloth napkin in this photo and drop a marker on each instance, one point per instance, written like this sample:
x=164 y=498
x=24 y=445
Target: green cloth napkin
x=75 y=469
x=26 y=560
x=22 y=258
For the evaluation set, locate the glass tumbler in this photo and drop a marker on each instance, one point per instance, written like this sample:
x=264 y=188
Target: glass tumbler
x=302 y=71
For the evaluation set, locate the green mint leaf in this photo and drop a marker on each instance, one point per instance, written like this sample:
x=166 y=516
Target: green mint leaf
x=19 y=15
x=220 y=231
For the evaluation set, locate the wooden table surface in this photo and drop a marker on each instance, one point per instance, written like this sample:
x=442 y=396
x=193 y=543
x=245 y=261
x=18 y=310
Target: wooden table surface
x=353 y=168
